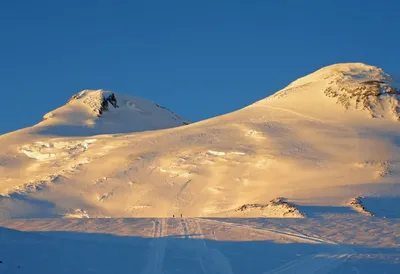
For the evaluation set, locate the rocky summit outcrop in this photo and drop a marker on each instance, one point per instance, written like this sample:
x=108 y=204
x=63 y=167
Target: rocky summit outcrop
x=353 y=86
x=373 y=96
x=98 y=100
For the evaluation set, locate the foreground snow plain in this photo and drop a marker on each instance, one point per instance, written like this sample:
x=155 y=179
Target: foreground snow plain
x=304 y=181
x=352 y=244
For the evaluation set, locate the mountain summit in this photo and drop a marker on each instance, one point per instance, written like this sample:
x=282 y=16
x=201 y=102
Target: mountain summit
x=327 y=143
x=353 y=86
x=93 y=112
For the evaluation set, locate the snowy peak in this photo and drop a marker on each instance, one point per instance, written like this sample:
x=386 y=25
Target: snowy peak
x=92 y=112
x=344 y=72
x=353 y=86
x=92 y=103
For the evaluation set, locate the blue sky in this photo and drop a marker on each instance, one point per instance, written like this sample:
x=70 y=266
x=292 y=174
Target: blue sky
x=198 y=58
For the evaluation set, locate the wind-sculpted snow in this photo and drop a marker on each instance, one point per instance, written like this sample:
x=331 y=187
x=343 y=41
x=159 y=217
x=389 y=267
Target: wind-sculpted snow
x=44 y=151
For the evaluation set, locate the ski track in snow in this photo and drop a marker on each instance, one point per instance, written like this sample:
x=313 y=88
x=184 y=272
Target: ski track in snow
x=193 y=245
x=296 y=113
x=288 y=235
x=309 y=264
x=158 y=245
x=211 y=260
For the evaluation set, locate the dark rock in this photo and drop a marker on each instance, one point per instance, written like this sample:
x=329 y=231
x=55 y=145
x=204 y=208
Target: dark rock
x=104 y=104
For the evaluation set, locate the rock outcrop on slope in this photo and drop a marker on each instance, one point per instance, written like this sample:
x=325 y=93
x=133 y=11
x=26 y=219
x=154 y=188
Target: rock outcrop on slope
x=353 y=86
x=276 y=208
x=98 y=100
x=357 y=204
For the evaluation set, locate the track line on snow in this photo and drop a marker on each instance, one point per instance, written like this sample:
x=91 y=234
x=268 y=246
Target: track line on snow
x=285 y=234
x=158 y=245
x=309 y=264
x=185 y=229
x=296 y=113
x=211 y=260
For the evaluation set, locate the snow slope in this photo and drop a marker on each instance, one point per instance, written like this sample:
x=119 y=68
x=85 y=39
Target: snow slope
x=325 y=139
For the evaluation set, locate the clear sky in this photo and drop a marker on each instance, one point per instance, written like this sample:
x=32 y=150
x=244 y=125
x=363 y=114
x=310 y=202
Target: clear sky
x=198 y=58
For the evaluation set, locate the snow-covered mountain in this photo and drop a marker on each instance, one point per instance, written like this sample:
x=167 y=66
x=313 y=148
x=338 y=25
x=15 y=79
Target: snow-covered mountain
x=327 y=143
